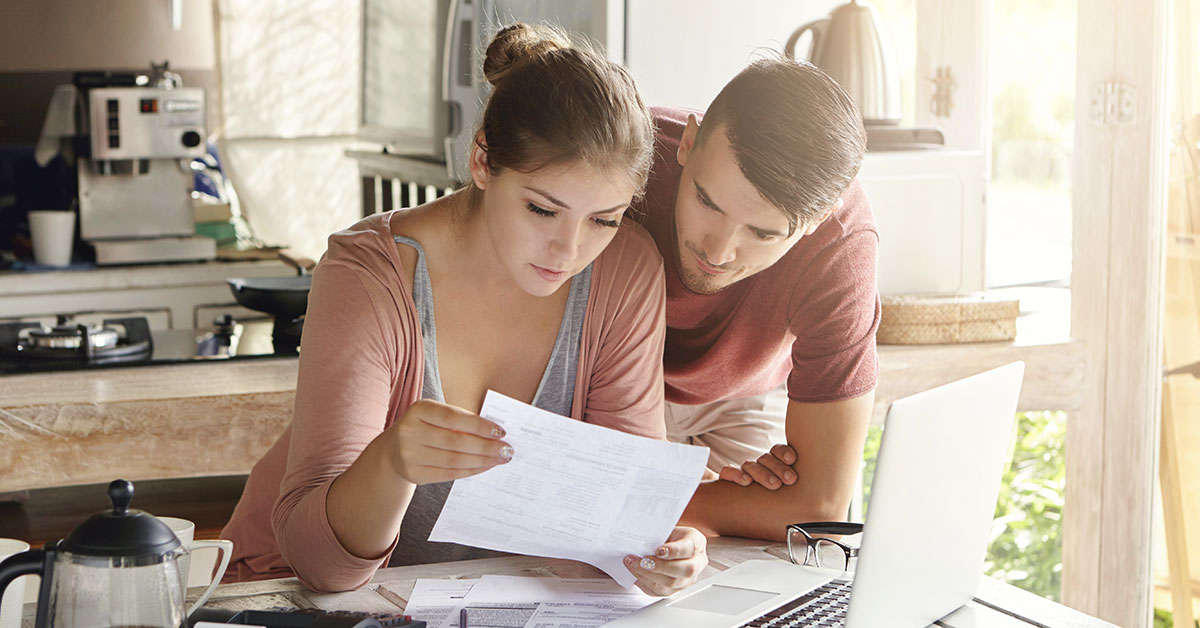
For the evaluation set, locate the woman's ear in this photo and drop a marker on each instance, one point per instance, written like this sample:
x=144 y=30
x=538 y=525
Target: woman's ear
x=688 y=140
x=477 y=162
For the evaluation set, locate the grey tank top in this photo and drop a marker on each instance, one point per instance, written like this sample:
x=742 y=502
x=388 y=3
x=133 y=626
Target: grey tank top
x=555 y=393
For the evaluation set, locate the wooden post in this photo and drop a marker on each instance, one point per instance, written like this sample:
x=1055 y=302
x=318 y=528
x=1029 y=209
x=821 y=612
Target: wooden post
x=1117 y=296
x=1173 y=513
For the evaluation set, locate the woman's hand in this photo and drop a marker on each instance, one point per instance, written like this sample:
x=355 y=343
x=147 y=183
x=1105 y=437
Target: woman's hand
x=674 y=565
x=772 y=469
x=436 y=442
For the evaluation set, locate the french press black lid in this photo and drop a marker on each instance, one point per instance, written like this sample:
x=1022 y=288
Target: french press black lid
x=122 y=531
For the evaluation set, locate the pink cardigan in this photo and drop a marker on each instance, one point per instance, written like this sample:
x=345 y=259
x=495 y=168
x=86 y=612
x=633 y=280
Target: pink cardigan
x=361 y=367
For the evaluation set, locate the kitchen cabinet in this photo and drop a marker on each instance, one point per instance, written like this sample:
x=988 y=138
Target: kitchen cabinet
x=170 y=296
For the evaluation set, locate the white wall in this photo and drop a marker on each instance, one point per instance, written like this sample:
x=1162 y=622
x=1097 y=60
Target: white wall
x=39 y=35
x=682 y=52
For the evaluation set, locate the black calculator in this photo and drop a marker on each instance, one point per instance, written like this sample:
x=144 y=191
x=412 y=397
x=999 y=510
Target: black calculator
x=302 y=618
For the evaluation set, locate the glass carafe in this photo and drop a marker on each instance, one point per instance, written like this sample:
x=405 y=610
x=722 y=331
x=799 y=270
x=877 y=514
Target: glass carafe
x=118 y=569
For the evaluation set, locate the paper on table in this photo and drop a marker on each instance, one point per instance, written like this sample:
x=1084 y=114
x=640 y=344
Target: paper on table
x=558 y=590
x=437 y=602
x=572 y=490
x=558 y=615
x=574 y=602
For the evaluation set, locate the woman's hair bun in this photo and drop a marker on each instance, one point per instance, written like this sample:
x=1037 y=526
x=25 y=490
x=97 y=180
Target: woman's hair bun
x=516 y=42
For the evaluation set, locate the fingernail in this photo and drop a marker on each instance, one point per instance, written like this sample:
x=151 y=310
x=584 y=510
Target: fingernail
x=773 y=482
x=497 y=432
x=506 y=452
x=789 y=476
x=647 y=564
x=629 y=561
x=661 y=552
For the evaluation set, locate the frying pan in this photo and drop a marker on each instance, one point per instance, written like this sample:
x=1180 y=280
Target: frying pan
x=284 y=297
x=280 y=296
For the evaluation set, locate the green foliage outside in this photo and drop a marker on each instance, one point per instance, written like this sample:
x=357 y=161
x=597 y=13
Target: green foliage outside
x=1026 y=545
x=1163 y=619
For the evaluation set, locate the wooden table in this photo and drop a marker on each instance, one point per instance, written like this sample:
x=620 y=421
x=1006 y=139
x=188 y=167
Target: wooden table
x=998 y=605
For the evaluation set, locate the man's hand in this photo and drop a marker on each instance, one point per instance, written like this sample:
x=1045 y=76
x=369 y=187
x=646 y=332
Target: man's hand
x=675 y=565
x=772 y=470
x=827 y=439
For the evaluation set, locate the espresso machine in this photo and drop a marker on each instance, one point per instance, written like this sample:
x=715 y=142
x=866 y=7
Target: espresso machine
x=134 y=149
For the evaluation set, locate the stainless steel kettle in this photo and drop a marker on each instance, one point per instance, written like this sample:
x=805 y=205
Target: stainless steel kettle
x=852 y=46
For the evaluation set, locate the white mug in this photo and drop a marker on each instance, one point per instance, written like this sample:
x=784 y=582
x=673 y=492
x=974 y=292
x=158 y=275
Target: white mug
x=186 y=531
x=13 y=604
x=53 y=234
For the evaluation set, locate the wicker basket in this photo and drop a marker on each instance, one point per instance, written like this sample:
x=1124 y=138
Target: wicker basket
x=918 y=320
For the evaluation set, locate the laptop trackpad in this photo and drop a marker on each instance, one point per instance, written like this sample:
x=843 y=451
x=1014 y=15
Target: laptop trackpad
x=725 y=600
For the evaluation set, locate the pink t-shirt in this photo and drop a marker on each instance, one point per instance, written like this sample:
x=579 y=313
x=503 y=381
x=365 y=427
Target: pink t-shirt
x=362 y=366
x=809 y=319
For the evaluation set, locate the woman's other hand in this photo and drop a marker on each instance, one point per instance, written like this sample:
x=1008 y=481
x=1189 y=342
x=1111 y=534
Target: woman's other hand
x=436 y=442
x=772 y=469
x=675 y=565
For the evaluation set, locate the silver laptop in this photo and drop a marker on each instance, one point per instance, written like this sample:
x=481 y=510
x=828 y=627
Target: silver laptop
x=925 y=539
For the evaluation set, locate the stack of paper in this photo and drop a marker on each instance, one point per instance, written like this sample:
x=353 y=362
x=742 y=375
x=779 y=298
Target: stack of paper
x=523 y=602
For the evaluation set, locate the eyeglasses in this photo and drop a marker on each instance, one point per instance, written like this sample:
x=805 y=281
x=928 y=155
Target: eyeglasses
x=803 y=549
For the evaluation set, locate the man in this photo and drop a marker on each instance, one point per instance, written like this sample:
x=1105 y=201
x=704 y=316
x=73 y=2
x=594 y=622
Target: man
x=772 y=306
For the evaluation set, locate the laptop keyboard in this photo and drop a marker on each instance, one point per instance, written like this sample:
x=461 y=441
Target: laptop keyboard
x=823 y=606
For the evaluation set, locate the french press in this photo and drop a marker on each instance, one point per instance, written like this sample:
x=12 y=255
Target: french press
x=117 y=569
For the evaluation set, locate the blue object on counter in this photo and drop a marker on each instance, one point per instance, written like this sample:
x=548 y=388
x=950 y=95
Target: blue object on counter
x=211 y=179
x=34 y=267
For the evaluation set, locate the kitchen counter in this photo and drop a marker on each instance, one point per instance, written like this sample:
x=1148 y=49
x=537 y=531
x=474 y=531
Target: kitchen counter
x=186 y=420
x=214 y=418
x=218 y=417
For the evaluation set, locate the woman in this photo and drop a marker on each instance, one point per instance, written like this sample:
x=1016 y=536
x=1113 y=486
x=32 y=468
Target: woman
x=527 y=282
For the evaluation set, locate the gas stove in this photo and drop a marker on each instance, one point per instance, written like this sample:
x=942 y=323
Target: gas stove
x=30 y=347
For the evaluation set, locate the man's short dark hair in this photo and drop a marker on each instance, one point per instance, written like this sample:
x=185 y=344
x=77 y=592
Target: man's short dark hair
x=797 y=136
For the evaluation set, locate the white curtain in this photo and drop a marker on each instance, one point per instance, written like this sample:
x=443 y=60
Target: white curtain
x=289 y=102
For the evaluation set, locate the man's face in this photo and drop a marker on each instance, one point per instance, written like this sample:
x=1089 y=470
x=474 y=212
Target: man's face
x=725 y=230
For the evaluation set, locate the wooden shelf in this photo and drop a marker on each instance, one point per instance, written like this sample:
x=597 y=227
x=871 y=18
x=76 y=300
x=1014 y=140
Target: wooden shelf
x=1054 y=371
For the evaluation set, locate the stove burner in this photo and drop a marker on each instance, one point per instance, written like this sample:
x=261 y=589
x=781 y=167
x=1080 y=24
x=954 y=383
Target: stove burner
x=115 y=340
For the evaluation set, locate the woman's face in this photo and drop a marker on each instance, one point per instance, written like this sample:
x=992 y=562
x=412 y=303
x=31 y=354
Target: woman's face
x=546 y=226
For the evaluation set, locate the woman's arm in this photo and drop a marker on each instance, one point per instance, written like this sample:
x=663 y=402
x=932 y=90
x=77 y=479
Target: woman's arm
x=432 y=442
x=351 y=471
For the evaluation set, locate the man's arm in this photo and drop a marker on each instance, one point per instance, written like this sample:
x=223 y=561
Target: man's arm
x=828 y=440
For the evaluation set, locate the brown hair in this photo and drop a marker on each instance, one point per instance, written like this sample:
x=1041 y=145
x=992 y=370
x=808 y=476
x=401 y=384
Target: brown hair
x=554 y=102
x=797 y=136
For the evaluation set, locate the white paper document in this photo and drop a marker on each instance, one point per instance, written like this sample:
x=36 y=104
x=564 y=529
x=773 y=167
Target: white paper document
x=524 y=602
x=572 y=490
x=526 y=589
x=437 y=602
